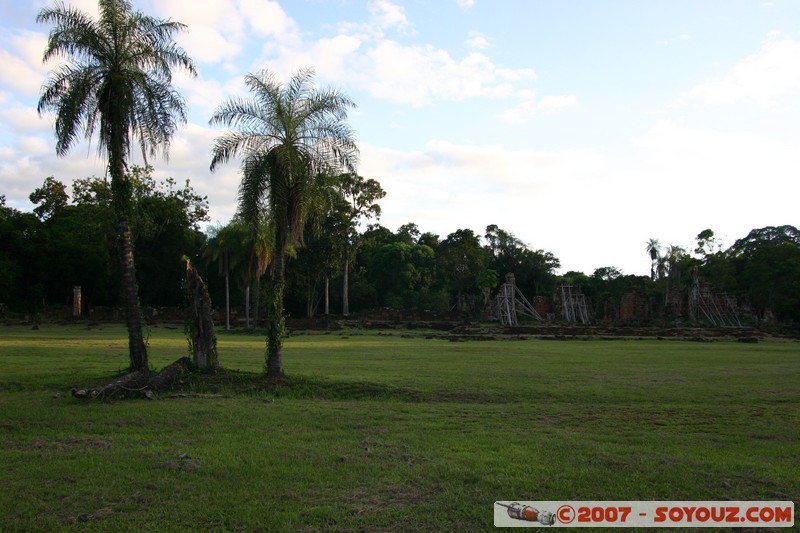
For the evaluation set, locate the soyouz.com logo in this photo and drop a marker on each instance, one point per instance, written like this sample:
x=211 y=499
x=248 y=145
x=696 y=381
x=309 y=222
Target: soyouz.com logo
x=643 y=514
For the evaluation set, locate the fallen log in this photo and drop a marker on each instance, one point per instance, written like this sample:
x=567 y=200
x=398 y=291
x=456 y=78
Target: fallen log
x=139 y=384
x=164 y=379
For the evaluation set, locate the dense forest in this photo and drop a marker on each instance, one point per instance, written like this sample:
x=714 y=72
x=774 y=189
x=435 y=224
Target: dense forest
x=348 y=263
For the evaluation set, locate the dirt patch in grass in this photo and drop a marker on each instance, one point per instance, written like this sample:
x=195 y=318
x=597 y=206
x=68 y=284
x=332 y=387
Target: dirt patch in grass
x=385 y=452
x=756 y=488
x=464 y=397
x=181 y=464
x=77 y=443
x=387 y=497
x=135 y=500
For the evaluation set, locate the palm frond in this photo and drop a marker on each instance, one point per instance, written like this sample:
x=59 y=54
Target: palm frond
x=117 y=76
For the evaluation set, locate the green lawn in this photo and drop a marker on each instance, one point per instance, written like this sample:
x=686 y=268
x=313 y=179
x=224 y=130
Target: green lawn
x=386 y=432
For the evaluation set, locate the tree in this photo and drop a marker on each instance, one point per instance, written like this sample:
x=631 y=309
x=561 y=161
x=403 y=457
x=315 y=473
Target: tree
x=605 y=289
x=502 y=244
x=290 y=138
x=463 y=264
x=220 y=248
x=51 y=197
x=771 y=278
x=766 y=265
x=259 y=249
x=761 y=236
x=199 y=323
x=363 y=278
x=165 y=225
x=706 y=243
x=654 y=251
x=361 y=196
x=408 y=233
x=533 y=270
x=117 y=80
x=318 y=259
x=21 y=258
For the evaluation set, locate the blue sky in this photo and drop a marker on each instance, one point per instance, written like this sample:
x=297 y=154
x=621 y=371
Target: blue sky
x=583 y=127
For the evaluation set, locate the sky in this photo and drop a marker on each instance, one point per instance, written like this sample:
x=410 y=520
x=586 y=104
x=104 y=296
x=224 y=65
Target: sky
x=583 y=127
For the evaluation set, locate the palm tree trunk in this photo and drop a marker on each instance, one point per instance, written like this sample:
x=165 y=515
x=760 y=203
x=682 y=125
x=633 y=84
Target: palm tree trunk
x=276 y=323
x=257 y=303
x=247 y=306
x=327 y=294
x=130 y=289
x=121 y=201
x=227 y=295
x=345 y=286
x=312 y=300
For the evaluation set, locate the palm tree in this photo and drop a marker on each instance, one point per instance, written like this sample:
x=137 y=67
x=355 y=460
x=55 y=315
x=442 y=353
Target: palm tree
x=226 y=248
x=259 y=250
x=653 y=250
x=117 y=80
x=290 y=137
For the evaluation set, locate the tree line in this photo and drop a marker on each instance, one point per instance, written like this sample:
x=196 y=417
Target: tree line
x=347 y=262
x=70 y=239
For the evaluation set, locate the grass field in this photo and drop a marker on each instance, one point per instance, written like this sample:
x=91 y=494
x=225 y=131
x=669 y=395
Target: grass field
x=387 y=432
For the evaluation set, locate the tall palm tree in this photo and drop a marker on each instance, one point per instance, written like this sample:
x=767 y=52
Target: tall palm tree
x=226 y=247
x=290 y=137
x=653 y=250
x=116 y=80
x=259 y=249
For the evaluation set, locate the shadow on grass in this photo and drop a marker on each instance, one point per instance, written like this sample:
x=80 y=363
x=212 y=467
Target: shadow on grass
x=236 y=383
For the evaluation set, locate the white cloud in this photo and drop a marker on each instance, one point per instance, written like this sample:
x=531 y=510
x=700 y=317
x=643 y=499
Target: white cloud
x=724 y=159
x=24 y=119
x=388 y=15
x=221 y=30
x=190 y=157
x=90 y=7
x=465 y=4
x=530 y=107
x=34 y=146
x=204 y=95
x=333 y=58
x=478 y=41
x=267 y=18
x=32 y=158
x=689 y=178
x=418 y=75
x=521 y=113
x=21 y=58
x=554 y=104
x=680 y=38
x=762 y=79
x=451 y=186
x=384 y=16
x=213 y=33
x=360 y=54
